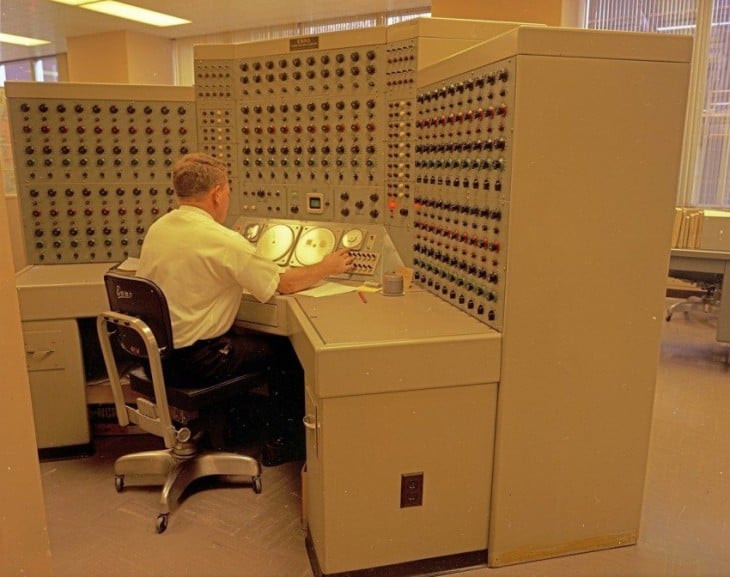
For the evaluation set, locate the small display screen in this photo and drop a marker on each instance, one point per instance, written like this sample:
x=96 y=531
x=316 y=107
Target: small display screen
x=315 y=203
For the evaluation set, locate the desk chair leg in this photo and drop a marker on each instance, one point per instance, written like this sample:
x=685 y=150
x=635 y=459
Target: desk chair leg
x=180 y=471
x=156 y=463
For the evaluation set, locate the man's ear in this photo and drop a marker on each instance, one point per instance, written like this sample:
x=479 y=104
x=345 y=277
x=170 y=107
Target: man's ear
x=217 y=192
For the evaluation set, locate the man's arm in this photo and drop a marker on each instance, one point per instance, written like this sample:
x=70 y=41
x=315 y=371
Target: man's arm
x=300 y=278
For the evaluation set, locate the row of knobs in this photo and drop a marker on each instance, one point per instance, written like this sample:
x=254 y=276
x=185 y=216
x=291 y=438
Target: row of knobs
x=47 y=149
x=458 y=264
x=310 y=106
x=462 y=163
x=309 y=74
x=115 y=129
x=310 y=128
x=66 y=162
x=458 y=117
x=311 y=162
x=475 y=99
x=492 y=214
x=422 y=277
x=457 y=182
x=297 y=62
x=311 y=149
x=464 y=238
x=54 y=212
x=97 y=109
x=90 y=231
x=488 y=144
x=312 y=176
x=103 y=192
x=464 y=86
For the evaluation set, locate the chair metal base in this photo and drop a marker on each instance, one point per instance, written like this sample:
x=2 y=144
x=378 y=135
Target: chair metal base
x=706 y=304
x=180 y=469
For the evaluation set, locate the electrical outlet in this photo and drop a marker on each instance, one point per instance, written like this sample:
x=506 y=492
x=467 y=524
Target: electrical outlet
x=411 y=490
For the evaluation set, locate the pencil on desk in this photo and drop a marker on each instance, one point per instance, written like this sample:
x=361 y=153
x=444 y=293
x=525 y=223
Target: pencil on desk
x=362 y=296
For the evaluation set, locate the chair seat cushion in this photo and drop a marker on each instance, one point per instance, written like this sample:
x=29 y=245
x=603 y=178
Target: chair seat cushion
x=193 y=398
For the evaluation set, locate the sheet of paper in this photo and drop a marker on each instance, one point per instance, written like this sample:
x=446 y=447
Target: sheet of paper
x=326 y=289
x=131 y=264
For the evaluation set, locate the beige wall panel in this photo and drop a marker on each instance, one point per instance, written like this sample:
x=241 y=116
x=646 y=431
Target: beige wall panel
x=546 y=12
x=120 y=57
x=24 y=546
x=574 y=421
x=98 y=58
x=150 y=59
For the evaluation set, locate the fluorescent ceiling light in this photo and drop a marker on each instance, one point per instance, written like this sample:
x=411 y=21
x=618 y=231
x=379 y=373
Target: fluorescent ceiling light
x=21 y=40
x=129 y=12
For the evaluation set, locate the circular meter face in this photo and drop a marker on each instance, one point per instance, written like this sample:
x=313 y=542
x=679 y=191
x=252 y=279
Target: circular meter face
x=251 y=232
x=314 y=245
x=352 y=238
x=275 y=242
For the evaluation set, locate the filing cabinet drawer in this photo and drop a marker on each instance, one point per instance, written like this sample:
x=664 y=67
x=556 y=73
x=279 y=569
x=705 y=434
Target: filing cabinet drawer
x=57 y=383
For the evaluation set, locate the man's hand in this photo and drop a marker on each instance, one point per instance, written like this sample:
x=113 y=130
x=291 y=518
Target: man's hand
x=337 y=262
x=299 y=278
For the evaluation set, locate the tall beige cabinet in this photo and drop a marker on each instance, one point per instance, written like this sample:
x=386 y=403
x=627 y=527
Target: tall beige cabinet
x=584 y=182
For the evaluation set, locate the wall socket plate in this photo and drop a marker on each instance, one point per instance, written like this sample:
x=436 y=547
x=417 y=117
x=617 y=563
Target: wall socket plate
x=411 y=490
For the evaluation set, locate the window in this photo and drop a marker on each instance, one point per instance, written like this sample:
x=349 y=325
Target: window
x=20 y=70
x=705 y=171
x=37 y=69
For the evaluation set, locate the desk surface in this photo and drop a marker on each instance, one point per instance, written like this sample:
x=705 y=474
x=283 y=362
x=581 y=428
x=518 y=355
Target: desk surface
x=348 y=347
x=345 y=319
x=61 y=291
x=699 y=254
x=710 y=261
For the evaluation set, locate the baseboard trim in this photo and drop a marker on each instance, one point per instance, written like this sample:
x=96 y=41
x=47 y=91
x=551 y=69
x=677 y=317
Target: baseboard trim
x=422 y=567
x=67 y=452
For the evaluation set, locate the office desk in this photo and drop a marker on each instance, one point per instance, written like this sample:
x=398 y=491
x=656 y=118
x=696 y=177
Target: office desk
x=709 y=261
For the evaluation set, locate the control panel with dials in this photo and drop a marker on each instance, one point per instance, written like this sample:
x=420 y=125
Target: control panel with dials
x=302 y=243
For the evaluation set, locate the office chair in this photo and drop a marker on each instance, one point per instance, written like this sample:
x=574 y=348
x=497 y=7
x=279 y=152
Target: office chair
x=139 y=323
x=707 y=301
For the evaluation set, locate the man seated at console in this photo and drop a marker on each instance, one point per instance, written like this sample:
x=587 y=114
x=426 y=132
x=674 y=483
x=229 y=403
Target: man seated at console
x=202 y=268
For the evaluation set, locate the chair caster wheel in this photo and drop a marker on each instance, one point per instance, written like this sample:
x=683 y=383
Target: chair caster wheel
x=119 y=483
x=162 y=522
x=257 y=487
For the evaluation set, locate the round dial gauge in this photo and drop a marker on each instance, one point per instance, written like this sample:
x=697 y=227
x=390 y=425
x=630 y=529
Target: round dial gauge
x=251 y=232
x=352 y=238
x=314 y=245
x=275 y=242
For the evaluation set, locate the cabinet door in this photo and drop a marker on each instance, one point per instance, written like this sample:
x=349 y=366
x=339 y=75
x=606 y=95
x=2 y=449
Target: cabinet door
x=368 y=443
x=57 y=386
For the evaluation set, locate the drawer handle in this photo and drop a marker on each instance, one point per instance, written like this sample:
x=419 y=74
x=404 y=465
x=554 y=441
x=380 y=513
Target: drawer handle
x=40 y=355
x=309 y=422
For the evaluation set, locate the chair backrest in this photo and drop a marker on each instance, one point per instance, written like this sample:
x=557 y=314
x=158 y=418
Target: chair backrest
x=143 y=299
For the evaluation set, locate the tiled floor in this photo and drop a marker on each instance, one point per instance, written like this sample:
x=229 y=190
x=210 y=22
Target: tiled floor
x=685 y=532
